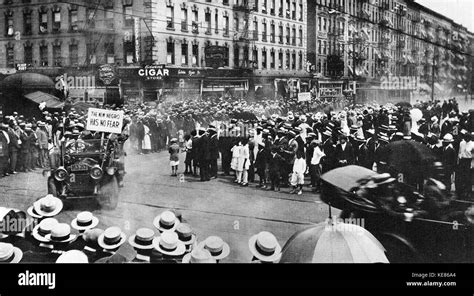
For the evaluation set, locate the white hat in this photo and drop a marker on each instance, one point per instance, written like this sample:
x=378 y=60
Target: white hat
x=61 y=233
x=166 y=221
x=31 y=211
x=73 y=256
x=10 y=253
x=218 y=248
x=265 y=247
x=169 y=244
x=448 y=138
x=142 y=239
x=200 y=256
x=44 y=228
x=84 y=221
x=112 y=238
x=48 y=206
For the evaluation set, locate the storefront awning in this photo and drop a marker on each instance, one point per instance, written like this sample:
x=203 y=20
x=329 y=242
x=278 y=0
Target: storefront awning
x=40 y=97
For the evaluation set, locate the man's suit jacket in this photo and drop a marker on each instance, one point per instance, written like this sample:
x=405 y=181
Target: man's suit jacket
x=346 y=154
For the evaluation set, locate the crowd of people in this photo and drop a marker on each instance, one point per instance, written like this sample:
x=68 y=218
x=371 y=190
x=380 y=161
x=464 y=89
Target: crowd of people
x=279 y=150
x=171 y=240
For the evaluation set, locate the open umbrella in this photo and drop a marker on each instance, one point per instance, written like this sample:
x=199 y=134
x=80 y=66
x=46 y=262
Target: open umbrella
x=410 y=158
x=333 y=242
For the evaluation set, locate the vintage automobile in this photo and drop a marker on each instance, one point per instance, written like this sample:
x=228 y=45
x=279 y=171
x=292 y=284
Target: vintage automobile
x=412 y=227
x=88 y=168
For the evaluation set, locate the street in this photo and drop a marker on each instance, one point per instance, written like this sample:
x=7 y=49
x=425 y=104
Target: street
x=218 y=207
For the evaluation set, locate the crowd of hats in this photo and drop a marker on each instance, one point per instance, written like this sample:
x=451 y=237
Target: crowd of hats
x=170 y=237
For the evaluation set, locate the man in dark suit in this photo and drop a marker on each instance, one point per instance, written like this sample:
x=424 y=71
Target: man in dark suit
x=195 y=151
x=204 y=156
x=213 y=151
x=344 y=152
x=275 y=166
x=328 y=162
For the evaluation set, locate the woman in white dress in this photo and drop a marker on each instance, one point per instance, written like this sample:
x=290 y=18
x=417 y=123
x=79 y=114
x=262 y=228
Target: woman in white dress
x=243 y=163
x=146 y=146
x=235 y=158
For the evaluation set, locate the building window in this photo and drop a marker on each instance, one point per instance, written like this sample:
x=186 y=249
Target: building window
x=44 y=55
x=226 y=56
x=195 y=57
x=91 y=54
x=128 y=15
x=245 y=59
x=226 y=25
x=264 y=6
x=301 y=12
x=272 y=60
x=169 y=17
x=319 y=47
x=264 y=32
x=325 y=22
x=73 y=54
x=272 y=33
x=184 y=19
x=207 y=20
x=280 y=37
x=272 y=7
x=301 y=37
x=293 y=61
x=255 y=57
x=287 y=64
x=43 y=22
x=325 y=47
x=129 y=51
x=57 y=59
x=56 y=21
x=293 y=36
x=73 y=18
x=110 y=52
x=195 y=22
x=170 y=52
x=280 y=60
x=236 y=56
x=255 y=30
x=10 y=57
x=28 y=55
x=288 y=35
x=264 y=58
x=300 y=61
x=184 y=54
x=216 y=21
x=27 y=23
x=320 y=22
x=9 y=29
x=225 y=2
x=90 y=17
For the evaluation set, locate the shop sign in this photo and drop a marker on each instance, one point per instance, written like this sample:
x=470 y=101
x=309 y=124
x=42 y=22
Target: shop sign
x=154 y=72
x=304 y=97
x=330 y=89
x=107 y=74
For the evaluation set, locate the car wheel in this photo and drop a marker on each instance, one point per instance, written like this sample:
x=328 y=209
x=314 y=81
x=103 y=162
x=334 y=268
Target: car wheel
x=399 y=250
x=52 y=189
x=109 y=193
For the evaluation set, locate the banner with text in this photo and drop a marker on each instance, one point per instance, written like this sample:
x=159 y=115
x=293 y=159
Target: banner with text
x=304 y=97
x=107 y=121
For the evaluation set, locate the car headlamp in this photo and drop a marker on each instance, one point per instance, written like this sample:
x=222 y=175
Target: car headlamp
x=60 y=174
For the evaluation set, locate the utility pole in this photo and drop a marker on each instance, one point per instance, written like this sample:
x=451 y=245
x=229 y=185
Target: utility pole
x=433 y=79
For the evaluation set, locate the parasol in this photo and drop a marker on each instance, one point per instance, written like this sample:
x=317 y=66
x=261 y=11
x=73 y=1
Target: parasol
x=333 y=242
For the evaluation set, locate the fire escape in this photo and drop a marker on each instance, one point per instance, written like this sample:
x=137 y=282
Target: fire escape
x=245 y=38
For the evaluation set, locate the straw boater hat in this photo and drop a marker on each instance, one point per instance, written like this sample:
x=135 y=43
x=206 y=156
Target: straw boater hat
x=10 y=253
x=166 y=221
x=448 y=138
x=142 y=239
x=48 y=206
x=218 y=248
x=73 y=256
x=185 y=234
x=112 y=238
x=44 y=228
x=199 y=256
x=61 y=233
x=265 y=247
x=169 y=244
x=84 y=221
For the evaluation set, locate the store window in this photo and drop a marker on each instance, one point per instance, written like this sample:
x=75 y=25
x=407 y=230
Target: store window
x=264 y=58
x=28 y=54
x=10 y=58
x=74 y=54
x=195 y=55
x=57 y=58
x=44 y=55
x=170 y=52
x=184 y=54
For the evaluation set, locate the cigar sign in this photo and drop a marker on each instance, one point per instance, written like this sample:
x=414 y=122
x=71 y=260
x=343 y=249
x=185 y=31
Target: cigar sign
x=154 y=72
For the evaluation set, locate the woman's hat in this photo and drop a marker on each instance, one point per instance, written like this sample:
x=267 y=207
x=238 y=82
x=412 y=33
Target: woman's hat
x=166 y=221
x=84 y=221
x=61 y=233
x=218 y=248
x=48 y=206
x=265 y=247
x=185 y=234
x=142 y=239
x=112 y=238
x=73 y=256
x=199 y=256
x=44 y=228
x=10 y=253
x=169 y=244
